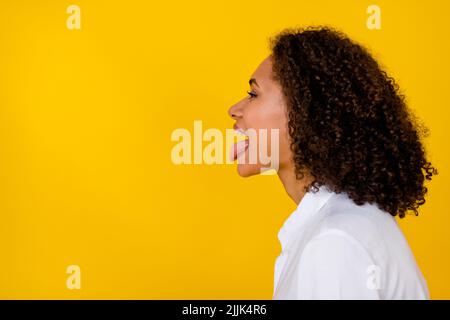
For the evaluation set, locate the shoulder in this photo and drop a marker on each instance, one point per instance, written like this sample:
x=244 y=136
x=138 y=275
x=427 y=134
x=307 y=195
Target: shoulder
x=335 y=247
x=333 y=265
x=353 y=250
x=365 y=226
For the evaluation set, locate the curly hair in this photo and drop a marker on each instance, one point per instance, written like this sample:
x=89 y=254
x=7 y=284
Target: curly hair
x=348 y=123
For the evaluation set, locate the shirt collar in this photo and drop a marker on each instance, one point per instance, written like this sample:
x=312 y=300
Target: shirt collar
x=311 y=203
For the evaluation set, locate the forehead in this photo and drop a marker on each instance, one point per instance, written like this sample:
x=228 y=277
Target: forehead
x=263 y=72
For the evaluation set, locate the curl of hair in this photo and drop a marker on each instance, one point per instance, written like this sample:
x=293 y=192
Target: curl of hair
x=349 y=125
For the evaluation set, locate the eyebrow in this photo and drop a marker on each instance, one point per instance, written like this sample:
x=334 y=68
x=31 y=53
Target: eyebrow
x=253 y=80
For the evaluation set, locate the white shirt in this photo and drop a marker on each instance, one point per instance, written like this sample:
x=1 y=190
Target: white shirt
x=335 y=249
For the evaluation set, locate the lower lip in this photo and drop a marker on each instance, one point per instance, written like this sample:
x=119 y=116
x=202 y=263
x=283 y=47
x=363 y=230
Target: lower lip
x=237 y=149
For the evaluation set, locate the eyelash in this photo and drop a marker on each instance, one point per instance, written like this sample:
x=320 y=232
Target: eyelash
x=251 y=95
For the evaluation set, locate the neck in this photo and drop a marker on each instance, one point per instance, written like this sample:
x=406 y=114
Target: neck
x=294 y=188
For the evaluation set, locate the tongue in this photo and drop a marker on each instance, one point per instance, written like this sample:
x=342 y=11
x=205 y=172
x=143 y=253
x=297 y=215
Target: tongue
x=237 y=148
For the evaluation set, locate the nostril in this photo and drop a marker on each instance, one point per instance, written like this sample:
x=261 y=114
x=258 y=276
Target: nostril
x=235 y=111
x=231 y=113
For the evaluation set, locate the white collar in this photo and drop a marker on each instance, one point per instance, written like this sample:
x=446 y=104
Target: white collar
x=308 y=206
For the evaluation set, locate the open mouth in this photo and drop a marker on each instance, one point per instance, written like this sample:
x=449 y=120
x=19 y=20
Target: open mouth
x=239 y=147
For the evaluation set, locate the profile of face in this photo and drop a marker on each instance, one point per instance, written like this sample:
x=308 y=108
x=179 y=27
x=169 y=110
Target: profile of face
x=264 y=108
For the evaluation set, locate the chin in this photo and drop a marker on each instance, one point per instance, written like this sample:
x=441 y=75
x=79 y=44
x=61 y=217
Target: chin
x=248 y=170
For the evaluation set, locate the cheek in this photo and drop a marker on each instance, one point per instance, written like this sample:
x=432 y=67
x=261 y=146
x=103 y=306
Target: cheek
x=266 y=116
x=270 y=116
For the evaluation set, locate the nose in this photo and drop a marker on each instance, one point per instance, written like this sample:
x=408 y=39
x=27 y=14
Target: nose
x=235 y=111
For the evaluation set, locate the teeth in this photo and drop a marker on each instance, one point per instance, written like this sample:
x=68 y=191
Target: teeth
x=240 y=132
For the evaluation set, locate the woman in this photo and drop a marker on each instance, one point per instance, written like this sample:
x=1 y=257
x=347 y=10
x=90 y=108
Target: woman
x=350 y=157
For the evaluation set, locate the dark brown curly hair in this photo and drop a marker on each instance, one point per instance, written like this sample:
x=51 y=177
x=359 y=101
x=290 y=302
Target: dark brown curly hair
x=349 y=125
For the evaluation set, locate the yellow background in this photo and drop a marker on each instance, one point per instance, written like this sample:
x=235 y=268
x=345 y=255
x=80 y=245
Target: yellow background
x=85 y=122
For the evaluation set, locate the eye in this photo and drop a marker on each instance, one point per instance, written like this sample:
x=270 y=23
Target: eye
x=251 y=95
